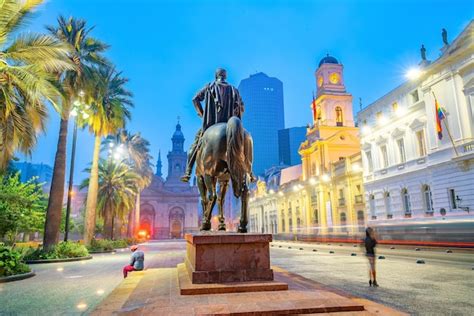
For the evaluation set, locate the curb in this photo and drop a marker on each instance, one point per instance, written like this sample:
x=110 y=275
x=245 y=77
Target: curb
x=57 y=260
x=17 y=277
x=99 y=252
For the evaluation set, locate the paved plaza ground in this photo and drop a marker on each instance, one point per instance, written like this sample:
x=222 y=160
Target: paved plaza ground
x=442 y=286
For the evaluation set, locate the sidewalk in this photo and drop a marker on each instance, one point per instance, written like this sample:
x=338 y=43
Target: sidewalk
x=156 y=292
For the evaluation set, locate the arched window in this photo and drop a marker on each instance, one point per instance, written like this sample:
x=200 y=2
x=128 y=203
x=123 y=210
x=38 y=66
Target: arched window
x=372 y=206
x=406 y=202
x=343 y=218
x=315 y=216
x=339 y=118
x=427 y=198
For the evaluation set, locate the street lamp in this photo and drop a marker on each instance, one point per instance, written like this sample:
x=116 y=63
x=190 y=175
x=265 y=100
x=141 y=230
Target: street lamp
x=79 y=108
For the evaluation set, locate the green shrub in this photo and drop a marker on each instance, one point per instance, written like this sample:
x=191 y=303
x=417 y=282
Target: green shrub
x=101 y=245
x=63 y=250
x=120 y=243
x=10 y=262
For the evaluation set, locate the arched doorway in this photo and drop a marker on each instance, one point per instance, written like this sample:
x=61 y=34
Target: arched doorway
x=176 y=222
x=147 y=220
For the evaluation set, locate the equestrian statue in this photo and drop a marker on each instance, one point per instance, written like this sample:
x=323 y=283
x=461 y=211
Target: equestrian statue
x=222 y=151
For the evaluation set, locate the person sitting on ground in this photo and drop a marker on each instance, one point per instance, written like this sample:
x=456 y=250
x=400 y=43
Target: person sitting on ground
x=137 y=261
x=370 y=243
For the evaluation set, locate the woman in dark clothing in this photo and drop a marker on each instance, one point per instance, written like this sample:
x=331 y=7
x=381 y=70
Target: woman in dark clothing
x=370 y=243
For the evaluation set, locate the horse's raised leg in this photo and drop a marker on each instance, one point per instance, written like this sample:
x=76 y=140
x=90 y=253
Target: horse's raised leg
x=206 y=225
x=220 y=203
x=210 y=183
x=244 y=209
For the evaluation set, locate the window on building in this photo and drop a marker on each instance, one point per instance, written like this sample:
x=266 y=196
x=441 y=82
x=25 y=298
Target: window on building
x=290 y=225
x=420 y=137
x=427 y=198
x=282 y=225
x=384 y=154
x=378 y=115
x=339 y=118
x=452 y=199
x=343 y=218
x=360 y=218
x=388 y=204
x=315 y=216
x=370 y=165
x=372 y=205
x=406 y=201
x=298 y=223
x=313 y=169
x=415 y=96
x=401 y=150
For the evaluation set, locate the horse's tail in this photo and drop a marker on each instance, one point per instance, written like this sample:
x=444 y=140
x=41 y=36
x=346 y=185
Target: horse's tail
x=235 y=153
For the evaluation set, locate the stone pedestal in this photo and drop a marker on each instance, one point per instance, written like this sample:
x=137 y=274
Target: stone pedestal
x=228 y=257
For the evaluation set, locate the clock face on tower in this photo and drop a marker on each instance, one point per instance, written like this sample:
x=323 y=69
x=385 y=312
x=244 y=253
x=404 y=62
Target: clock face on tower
x=320 y=81
x=334 y=78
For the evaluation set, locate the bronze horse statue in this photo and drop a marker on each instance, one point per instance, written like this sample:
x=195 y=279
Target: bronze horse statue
x=225 y=154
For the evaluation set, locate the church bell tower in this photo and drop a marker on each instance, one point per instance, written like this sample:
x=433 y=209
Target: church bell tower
x=333 y=105
x=176 y=158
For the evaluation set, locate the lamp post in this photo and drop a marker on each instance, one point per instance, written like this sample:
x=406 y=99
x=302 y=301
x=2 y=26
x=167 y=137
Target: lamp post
x=77 y=109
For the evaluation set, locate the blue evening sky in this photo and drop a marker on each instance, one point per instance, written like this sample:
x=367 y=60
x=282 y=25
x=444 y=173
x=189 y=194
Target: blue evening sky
x=169 y=49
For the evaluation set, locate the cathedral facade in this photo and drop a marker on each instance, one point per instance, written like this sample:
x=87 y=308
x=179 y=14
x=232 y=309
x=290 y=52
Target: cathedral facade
x=169 y=207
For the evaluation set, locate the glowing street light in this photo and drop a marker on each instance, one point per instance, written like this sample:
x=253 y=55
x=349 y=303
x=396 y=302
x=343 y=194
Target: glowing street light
x=79 y=107
x=325 y=178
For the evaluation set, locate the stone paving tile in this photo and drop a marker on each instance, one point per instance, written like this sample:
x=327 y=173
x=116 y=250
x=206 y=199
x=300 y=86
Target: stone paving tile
x=147 y=301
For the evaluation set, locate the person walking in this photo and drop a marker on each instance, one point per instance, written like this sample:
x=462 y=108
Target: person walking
x=137 y=260
x=370 y=244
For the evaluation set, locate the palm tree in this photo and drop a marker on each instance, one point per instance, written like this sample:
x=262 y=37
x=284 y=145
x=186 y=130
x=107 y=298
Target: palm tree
x=108 y=113
x=137 y=149
x=28 y=63
x=116 y=192
x=86 y=54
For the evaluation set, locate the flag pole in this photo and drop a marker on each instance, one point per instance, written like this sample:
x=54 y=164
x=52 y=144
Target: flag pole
x=446 y=125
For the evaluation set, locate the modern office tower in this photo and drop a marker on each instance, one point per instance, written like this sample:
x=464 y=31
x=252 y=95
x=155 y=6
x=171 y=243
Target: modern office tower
x=289 y=141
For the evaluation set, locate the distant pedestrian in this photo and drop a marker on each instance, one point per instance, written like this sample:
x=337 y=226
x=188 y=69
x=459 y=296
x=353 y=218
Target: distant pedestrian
x=137 y=261
x=370 y=244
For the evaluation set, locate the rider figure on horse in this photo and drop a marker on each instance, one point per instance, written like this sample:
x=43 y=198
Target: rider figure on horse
x=222 y=101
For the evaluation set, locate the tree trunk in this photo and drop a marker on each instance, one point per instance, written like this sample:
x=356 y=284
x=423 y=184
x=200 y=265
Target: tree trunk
x=108 y=222
x=91 y=204
x=56 y=192
x=137 y=215
x=130 y=223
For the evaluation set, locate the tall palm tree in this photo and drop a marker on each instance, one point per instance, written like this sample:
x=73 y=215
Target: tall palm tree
x=28 y=63
x=86 y=55
x=137 y=151
x=116 y=192
x=109 y=111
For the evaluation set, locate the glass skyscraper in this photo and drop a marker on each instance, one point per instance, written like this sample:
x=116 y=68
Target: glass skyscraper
x=263 y=117
x=289 y=141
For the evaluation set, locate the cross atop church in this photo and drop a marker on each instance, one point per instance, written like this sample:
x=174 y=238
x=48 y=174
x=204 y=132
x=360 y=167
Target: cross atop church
x=179 y=118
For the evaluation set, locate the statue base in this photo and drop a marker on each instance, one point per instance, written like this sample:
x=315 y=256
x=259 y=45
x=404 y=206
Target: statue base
x=220 y=257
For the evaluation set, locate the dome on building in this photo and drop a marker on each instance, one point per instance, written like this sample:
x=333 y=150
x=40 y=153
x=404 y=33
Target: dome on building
x=328 y=60
x=178 y=134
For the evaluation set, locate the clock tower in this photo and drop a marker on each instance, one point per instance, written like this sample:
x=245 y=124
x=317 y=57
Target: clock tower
x=333 y=105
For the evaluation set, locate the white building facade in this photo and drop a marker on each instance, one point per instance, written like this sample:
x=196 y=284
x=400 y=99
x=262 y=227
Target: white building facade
x=409 y=173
